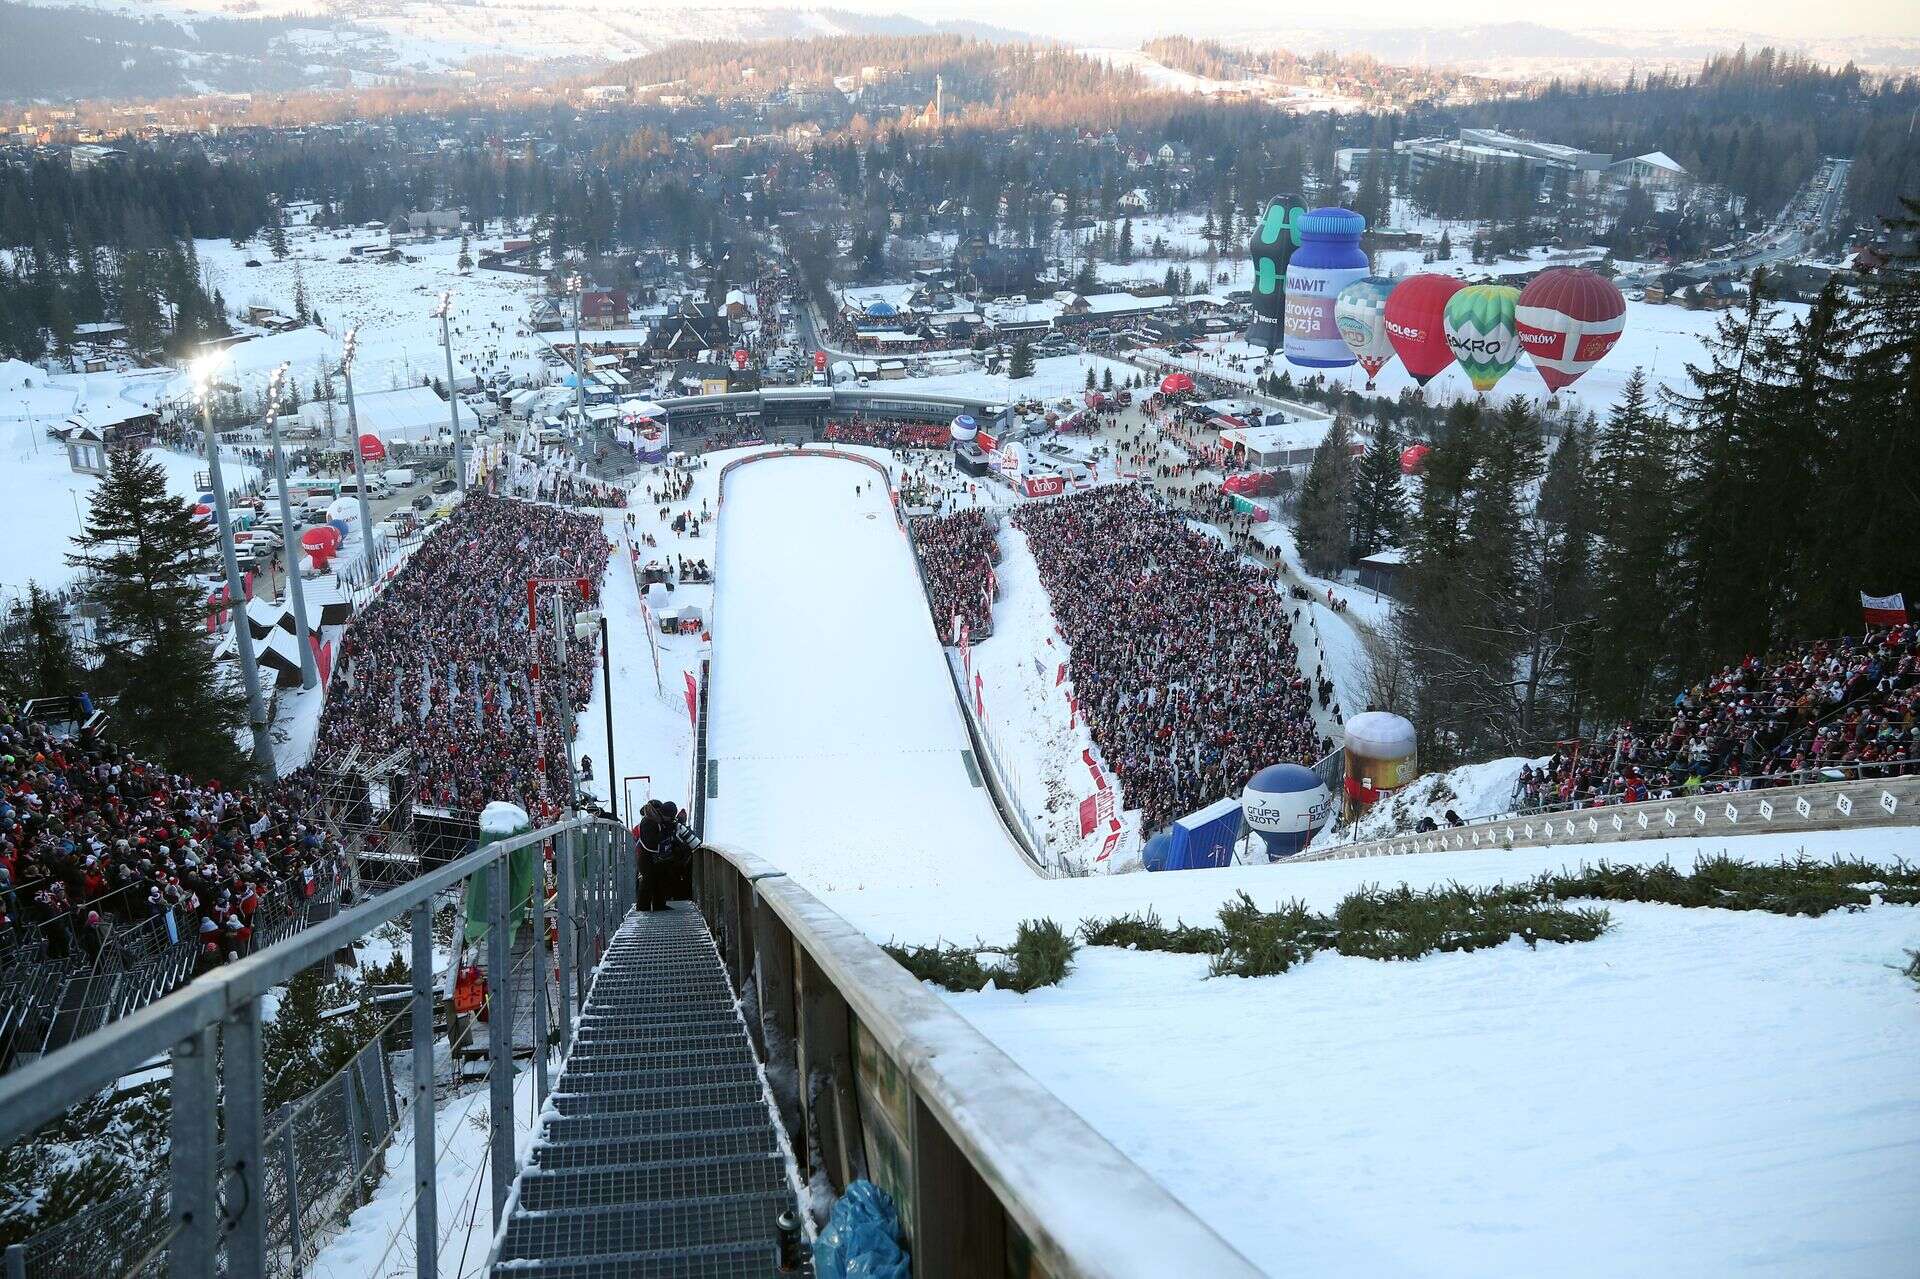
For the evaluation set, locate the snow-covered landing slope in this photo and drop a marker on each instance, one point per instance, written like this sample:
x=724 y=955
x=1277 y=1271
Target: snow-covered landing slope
x=1698 y=1092
x=840 y=748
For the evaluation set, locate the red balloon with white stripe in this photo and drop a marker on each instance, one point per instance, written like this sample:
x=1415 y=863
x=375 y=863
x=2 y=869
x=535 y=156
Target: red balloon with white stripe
x=1568 y=319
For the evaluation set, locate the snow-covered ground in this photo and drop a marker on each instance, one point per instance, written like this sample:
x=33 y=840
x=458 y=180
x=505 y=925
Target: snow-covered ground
x=652 y=736
x=833 y=728
x=1696 y=1092
x=1060 y=375
x=392 y=303
x=46 y=501
x=1470 y=791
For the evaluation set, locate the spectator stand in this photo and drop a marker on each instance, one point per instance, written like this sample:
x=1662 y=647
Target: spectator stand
x=1832 y=709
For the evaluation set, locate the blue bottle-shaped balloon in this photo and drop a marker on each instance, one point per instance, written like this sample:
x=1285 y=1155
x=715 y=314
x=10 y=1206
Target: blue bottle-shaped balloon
x=1328 y=260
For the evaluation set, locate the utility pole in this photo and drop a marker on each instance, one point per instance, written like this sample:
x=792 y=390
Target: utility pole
x=606 y=680
x=576 y=285
x=442 y=312
x=290 y=548
x=236 y=598
x=563 y=701
x=359 y=466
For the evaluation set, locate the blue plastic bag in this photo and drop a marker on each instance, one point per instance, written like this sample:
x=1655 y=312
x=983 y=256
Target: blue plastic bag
x=862 y=1238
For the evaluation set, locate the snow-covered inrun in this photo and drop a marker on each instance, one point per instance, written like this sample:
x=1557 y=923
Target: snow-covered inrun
x=837 y=745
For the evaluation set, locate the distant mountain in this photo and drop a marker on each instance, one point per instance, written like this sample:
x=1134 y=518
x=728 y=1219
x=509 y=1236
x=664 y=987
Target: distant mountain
x=134 y=49
x=1529 y=48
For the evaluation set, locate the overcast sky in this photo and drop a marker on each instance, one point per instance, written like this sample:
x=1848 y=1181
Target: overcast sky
x=1127 y=21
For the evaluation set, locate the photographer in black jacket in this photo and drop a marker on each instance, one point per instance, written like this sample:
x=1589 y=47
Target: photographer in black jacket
x=663 y=847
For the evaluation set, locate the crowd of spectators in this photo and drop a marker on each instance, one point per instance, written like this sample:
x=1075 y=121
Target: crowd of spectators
x=1181 y=654
x=889 y=435
x=441 y=661
x=957 y=554
x=93 y=839
x=1848 y=706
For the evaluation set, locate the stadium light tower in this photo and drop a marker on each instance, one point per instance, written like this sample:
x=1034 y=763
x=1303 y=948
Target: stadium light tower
x=236 y=597
x=359 y=465
x=442 y=313
x=290 y=549
x=577 y=286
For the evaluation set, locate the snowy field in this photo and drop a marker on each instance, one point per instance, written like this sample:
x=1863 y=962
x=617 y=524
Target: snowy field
x=1697 y=1092
x=1053 y=376
x=392 y=303
x=839 y=743
x=45 y=502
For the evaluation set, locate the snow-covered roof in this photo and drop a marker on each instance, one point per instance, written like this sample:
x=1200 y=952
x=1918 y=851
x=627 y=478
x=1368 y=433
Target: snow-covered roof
x=1660 y=160
x=1278 y=436
x=408 y=413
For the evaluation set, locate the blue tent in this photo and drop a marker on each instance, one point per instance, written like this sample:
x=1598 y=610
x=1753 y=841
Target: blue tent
x=881 y=309
x=1205 y=838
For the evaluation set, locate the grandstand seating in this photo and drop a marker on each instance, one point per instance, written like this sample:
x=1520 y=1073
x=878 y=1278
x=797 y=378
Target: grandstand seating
x=1845 y=707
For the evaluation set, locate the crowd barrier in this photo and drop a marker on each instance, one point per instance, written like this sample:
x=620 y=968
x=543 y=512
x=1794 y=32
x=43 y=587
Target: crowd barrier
x=1825 y=806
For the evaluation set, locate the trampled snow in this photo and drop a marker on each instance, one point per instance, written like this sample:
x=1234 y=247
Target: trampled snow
x=839 y=751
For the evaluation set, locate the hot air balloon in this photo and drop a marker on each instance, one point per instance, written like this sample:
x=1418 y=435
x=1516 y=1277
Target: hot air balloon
x=1270 y=248
x=1480 y=332
x=1415 y=320
x=1568 y=319
x=1361 y=313
x=1328 y=260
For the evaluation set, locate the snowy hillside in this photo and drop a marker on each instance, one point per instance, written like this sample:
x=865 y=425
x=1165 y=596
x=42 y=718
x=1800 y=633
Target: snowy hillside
x=1473 y=790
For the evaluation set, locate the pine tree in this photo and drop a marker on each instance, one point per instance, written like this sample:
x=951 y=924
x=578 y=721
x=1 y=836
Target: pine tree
x=42 y=660
x=299 y=295
x=1379 y=504
x=1020 y=363
x=1567 y=515
x=1323 y=518
x=1106 y=378
x=1091 y=381
x=465 y=262
x=141 y=546
x=1636 y=523
x=277 y=239
x=1876 y=494
x=1124 y=253
x=1724 y=613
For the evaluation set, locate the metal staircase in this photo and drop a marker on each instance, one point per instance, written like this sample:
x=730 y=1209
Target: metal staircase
x=659 y=1155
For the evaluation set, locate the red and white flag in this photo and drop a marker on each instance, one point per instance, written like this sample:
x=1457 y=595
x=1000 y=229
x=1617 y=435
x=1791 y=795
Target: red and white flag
x=1883 y=610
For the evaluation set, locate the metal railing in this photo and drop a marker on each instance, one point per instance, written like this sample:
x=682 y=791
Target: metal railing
x=317 y=1156
x=1724 y=784
x=135 y=965
x=875 y=1076
x=221 y=1179
x=1782 y=809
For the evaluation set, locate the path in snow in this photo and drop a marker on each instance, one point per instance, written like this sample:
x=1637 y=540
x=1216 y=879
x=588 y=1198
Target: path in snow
x=839 y=745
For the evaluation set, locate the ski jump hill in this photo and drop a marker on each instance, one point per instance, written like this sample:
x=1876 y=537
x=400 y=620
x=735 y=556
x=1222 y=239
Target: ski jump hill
x=836 y=746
